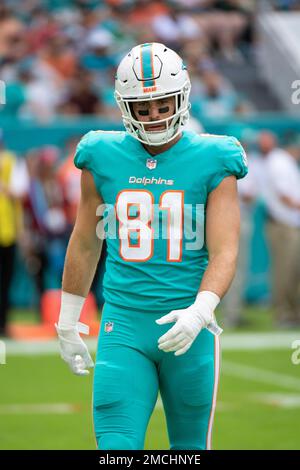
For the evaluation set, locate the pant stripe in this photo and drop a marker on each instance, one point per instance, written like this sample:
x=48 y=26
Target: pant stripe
x=216 y=384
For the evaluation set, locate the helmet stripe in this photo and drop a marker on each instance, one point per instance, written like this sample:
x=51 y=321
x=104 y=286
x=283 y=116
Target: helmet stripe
x=147 y=66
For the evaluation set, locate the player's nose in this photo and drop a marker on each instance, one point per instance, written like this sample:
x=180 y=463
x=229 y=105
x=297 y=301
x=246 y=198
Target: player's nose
x=154 y=112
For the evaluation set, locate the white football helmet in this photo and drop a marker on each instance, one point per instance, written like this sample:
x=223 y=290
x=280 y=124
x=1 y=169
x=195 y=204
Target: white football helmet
x=148 y=72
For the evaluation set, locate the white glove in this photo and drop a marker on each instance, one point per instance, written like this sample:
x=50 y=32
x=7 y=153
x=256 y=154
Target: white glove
x=72 y=349
x=189 y=323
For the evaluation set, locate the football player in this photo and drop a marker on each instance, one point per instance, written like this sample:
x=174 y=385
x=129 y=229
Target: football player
x=161 y=287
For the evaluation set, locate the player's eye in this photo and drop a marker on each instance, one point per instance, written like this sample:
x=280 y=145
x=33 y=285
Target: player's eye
x=164 y=110
x=143 y=112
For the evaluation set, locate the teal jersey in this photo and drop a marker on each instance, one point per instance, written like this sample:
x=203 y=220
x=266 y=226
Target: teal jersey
x=155 y=213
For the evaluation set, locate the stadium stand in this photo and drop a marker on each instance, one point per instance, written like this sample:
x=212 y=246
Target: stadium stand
x=279 y=53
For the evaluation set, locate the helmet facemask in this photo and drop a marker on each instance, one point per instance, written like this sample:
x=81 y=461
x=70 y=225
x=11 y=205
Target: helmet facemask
x=174 y=124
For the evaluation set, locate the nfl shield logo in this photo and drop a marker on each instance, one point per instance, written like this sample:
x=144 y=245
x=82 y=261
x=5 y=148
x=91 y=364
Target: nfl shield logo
x=108 y=327
x=151 y=163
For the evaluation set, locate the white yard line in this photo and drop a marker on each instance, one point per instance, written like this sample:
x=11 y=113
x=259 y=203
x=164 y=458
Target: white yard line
x=259 y=375
x=38 y=348
x=280 y=400
x=38 y=408
x=229 y=342
x=254 y=341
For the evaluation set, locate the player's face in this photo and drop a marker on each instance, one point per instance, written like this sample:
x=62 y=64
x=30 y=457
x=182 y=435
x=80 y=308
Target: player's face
x=154 y=110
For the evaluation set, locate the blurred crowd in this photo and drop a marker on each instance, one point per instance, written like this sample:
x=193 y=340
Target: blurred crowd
x=286 y=5
x=39 y=199
x=38 y=204
x=59 y=57
x=273 y=182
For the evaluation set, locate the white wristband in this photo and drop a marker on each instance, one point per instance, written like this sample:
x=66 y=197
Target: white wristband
x=70 y=310
x=210 y=298
x=207 y=302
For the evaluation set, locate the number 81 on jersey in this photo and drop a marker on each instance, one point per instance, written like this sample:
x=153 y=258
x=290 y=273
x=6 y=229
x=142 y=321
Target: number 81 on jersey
x=135 y=211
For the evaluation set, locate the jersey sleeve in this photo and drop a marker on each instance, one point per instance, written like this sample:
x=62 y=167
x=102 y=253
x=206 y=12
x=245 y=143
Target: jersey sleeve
x=83 y=156
x=230 y=159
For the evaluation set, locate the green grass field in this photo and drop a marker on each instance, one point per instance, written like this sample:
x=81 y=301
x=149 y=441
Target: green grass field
x=43 y=406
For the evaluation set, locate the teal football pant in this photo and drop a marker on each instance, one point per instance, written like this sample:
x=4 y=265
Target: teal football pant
x=129 y=372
